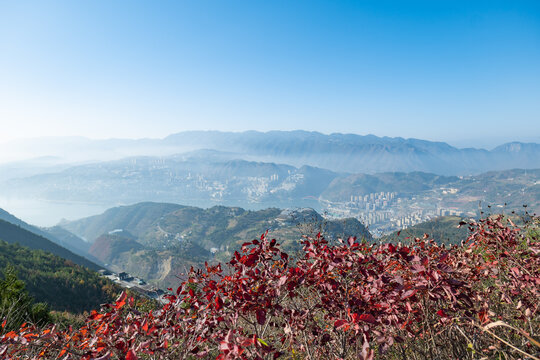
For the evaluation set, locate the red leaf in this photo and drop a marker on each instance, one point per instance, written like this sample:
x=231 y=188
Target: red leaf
x=515 y=271
x=441 y=313
x=219 y=303
x=368 y=318
x=131 y=355
x=404 y=251
x=95 y=315
x=483 y=316
x=443 y=257
x=250 y=260
x=121 y=300
x=261 y=316
x=11 y=335
x=340 y=323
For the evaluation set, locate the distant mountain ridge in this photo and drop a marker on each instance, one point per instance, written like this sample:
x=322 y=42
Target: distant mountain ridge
x=363 y=153
x=337 y=152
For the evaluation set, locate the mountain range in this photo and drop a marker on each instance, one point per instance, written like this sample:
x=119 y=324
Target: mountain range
x=337 y=152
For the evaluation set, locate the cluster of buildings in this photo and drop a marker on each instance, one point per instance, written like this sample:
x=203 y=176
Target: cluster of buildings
x=384 y=212
x=254 y=187
x=134 y=283
x=412 y=218
x=373 y=201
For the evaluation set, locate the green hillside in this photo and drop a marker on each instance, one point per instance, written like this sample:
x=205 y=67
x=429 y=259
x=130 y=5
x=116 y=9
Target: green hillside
x=443 y=229
x=341 y=189
x=135 y=219
x=66 y=239
x=165 y=239
x=55 y=234
x=159 y=226
x=14 y=234
x=62 y=284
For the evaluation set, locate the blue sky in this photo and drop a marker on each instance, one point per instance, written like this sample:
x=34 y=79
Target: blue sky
x=465 y=72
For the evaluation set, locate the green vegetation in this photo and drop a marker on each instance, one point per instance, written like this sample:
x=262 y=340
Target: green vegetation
x=167 y=239
x=16 y=305
x=16 y=234
x=134 y=219
x=342 y=188
x=504 y=191
x=55 y=234
x=56 y=281
x=443 y=229
x=347 y=300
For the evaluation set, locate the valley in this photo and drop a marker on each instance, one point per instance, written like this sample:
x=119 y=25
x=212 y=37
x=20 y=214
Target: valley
x=383 y=201
x=196 y=197
x=403 y=200
x=160 y=241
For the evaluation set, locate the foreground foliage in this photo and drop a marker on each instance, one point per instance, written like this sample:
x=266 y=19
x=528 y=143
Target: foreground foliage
x=348 y=300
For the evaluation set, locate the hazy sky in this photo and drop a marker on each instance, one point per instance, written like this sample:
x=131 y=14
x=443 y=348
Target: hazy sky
x=455 y=71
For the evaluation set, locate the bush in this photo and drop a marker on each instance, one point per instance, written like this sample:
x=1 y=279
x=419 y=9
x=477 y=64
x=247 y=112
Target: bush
x=348 y=300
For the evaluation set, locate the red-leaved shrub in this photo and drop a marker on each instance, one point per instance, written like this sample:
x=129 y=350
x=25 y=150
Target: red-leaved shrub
x=348 y=300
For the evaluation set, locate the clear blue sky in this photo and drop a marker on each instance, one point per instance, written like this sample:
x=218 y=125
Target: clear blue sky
x=456 y=71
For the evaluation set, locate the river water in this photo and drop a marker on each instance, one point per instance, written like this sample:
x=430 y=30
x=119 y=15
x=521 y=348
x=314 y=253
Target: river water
x=49 y=213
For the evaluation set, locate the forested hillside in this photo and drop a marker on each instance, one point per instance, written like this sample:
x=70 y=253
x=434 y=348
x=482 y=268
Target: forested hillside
x=14 y=234
x=58 y=282
x=444 y=230
x=55 y=234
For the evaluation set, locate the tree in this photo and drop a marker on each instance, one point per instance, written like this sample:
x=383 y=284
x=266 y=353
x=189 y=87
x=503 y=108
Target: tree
x=16 y=305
